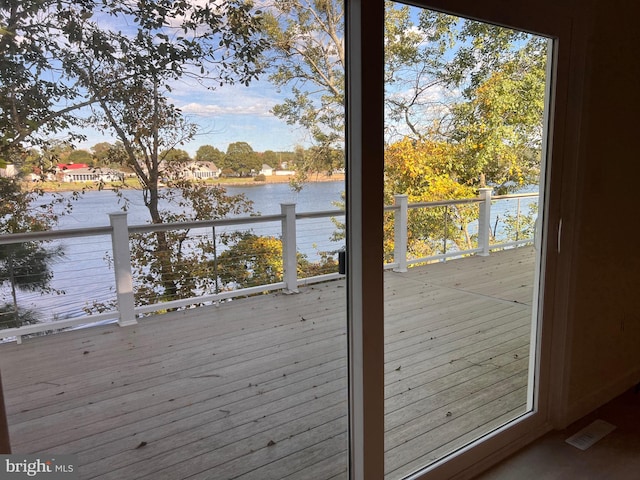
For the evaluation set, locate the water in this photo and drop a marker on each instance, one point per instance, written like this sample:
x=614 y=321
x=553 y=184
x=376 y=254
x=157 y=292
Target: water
x=85 y=275
x=93 y=208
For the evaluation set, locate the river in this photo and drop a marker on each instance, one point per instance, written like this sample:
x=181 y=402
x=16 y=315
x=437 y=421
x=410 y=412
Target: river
x=92 y=208
x=84 y=274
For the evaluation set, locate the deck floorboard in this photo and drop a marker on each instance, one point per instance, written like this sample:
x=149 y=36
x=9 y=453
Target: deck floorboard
x=256 y=388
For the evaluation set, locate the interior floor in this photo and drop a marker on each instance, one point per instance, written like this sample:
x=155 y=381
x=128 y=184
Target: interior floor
x=614 y=457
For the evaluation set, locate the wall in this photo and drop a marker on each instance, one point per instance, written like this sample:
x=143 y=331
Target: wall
x=605 y=324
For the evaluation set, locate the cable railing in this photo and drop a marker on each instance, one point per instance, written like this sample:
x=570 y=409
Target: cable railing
x=100 y=277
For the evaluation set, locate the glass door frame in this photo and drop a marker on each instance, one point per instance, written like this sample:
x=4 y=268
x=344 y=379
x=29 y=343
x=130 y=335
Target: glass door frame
x=364 y=188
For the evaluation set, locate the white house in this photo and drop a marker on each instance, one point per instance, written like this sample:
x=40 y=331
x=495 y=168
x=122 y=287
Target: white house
x=190 y=170
x=266 y=170
x=91 y=175
x=203 y=170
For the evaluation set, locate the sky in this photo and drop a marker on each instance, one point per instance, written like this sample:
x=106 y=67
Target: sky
x=236 y=113
x=232 y=113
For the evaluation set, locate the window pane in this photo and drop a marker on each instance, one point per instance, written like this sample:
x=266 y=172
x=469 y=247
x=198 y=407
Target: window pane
x=464 y=139
x=219 y=132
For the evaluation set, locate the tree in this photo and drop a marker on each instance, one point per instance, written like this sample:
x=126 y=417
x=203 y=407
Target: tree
x=54 y=152
x=434 y=65
x=241 y=158
x=55 y=52
x=424 y=171
x=116 y=157
x=150 y=129
x=209 y=153
x=319 y=159
x=252 y=260
x=125 y=76
x=493 y=113
x=257 y=260
x=499 y=129
x=101 y=153
x=178 y=264
x=176 y=155
x=468 y=96
x=80 y=156
x=417 y=66
x=270 y=158
x=64 y=53
x=35 y=93
x=27 y=265
x=308 y=58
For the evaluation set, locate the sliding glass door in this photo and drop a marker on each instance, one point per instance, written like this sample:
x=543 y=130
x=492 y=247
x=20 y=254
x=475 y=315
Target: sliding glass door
x=464 y=137
x=449 y=124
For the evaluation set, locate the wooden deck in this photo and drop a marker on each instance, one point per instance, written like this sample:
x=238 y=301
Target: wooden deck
x=256 y=388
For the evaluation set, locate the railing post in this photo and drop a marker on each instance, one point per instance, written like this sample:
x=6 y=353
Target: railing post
x=484 y=221
x=400 y=234
x=122 y=267
x=289 y=248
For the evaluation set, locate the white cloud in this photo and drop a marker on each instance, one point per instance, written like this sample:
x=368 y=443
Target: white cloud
x=194 y=98
x=258 y=109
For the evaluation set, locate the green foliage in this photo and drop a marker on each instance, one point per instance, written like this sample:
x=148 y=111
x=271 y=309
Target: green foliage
x=521 y=225
x=60 y=56
x=270 y=158
x=179 y=263
x=253 y=260
x=499 y=130
x=322 y=159
x=241 y=159
x=27 y=265
x=417 y=67
x=175 y=155
x=447 y=80
x=101 y=152
x=340 y=232
x=31 y=40
x=80 y=156
x=467 y=100
x=125 y=77
x=64 y=53
x=46 y=157
x=110 y=155
x=260 y=178
x=307 y=55
x=424 y=171
x=208 y=153
x=12 y=318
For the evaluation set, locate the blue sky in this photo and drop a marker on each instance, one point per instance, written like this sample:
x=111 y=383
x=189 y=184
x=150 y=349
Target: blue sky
x=232 y=113
x=235 y=113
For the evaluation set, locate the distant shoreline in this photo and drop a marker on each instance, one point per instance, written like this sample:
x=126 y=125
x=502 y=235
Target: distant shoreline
x=50 y=187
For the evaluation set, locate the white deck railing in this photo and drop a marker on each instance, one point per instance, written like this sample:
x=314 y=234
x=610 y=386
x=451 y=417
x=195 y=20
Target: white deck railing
x=119 y=232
